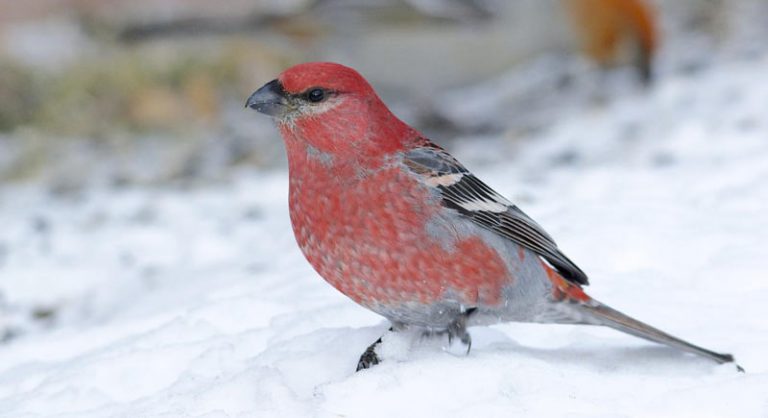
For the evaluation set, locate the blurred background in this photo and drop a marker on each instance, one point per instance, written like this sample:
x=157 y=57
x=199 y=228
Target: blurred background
x=132 y=180
x=151 y=91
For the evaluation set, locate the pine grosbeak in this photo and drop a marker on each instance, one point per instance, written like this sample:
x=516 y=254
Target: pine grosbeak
x=402 y=228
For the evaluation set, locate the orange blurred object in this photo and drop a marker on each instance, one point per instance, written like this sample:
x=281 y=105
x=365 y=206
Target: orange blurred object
x=616 y=32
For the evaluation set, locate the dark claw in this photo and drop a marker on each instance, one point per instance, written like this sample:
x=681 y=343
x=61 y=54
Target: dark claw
x=459 y=329
x=369 y=357
x=463 y=335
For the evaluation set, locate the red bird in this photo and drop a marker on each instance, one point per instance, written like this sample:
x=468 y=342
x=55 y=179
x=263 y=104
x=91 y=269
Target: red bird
x=402 y=228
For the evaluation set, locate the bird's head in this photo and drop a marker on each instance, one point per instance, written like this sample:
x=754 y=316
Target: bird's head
x=332 y=108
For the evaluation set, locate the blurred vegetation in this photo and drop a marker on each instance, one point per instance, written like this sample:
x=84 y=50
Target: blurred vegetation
x=135 y=89
x=19 y=95
x=149 y=112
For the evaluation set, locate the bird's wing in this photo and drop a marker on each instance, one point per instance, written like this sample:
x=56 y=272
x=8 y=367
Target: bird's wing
x=462 y=191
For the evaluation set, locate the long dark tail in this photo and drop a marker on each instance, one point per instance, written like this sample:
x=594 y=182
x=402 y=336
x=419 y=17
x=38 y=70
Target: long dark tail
x=598 y=313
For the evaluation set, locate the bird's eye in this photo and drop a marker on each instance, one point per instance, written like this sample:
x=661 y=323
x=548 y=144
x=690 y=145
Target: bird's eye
x=316 y=95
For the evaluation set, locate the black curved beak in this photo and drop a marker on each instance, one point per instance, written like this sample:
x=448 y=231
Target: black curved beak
x=269 y=99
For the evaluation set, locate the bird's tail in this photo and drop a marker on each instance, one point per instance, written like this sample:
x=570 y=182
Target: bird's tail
x=597 y=313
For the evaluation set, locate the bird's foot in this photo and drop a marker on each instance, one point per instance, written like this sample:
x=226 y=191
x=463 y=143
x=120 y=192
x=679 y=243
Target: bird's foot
x=458 y=329
x=369 y=358
x=462 y=335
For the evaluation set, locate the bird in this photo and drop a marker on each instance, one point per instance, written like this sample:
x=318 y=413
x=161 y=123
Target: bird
x=400 y=226
x=616 y=32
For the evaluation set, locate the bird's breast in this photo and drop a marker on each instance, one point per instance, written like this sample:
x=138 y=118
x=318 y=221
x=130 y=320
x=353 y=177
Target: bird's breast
x=380 y=237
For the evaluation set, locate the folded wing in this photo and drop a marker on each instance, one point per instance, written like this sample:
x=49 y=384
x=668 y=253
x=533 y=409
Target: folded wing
x=471 y=198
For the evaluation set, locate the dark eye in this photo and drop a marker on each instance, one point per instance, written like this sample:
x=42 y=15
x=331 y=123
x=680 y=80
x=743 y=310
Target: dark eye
x=316 y=95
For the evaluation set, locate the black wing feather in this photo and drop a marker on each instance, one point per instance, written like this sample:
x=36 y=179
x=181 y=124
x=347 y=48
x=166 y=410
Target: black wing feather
x=469 y=196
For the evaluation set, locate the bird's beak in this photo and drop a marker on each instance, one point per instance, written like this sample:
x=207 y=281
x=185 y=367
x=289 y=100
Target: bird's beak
x=269 y=99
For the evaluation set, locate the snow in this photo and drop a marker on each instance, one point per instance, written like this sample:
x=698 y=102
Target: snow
x=173 y=301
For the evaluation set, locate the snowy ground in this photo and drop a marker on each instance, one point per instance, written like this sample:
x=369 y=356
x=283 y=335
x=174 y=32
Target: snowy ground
x=197 y=302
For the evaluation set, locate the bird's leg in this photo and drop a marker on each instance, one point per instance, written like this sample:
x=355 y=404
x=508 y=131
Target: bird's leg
x=459 y=329
x=369 y=357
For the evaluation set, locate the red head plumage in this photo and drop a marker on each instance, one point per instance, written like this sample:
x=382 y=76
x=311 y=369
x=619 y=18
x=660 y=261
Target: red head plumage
x=329 y=75
x=333 y=109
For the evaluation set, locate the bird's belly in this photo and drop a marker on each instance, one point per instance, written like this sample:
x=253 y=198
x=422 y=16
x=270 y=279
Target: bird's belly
x=379 y=246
